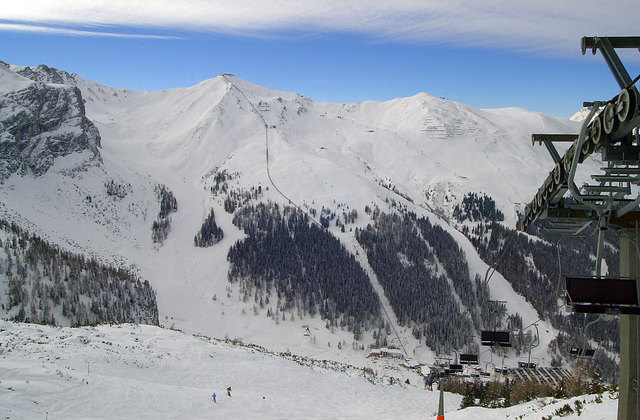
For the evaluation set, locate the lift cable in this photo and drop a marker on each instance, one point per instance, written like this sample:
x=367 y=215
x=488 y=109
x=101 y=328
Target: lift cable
x=266 y=139
x=494 y=267
x=633 y=82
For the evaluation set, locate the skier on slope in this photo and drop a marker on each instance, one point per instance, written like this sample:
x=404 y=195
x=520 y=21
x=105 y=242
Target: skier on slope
x=214 y=397
x=229 y=391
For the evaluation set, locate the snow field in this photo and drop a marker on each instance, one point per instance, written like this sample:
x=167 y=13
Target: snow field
x=144 y=372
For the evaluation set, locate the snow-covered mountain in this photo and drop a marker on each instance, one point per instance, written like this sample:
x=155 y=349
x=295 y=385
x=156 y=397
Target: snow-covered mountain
x=135 y=195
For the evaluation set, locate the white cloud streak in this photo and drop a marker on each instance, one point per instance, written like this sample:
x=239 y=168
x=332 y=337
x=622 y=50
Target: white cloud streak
x=548 y=26
x=19 y=27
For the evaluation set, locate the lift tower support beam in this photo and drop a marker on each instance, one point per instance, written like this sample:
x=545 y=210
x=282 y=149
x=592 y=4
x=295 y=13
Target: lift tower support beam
x=629 y=389
x=607 y=46
x=629 y=324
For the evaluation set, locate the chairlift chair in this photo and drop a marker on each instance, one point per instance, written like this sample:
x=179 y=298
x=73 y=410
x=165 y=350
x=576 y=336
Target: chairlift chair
x=527 y=365
x=503 y=371
x=603 y=295
x=585 y=352
x=581 y=352
x=469 y=359
x=454 y=367
x=492 y=338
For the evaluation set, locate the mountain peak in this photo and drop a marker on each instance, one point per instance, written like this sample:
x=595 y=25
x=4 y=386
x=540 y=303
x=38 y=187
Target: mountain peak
x=46 y=74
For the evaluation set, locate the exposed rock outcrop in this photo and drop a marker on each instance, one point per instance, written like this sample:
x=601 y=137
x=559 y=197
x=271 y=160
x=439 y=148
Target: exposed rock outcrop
x=40 y=123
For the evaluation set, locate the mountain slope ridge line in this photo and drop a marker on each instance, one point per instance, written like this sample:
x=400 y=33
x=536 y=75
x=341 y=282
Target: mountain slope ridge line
x=266 y=139
x=266 y=131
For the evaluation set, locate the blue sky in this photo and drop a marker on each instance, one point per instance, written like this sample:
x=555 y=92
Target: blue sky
x=498 y=54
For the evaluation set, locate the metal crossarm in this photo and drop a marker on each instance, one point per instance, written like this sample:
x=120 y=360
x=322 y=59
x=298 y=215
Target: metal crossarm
x=607 y=46
x=615 y=41
x=611 y=130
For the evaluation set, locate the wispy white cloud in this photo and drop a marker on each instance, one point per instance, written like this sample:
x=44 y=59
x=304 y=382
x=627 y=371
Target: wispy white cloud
x=21 y=27
x=549 y=26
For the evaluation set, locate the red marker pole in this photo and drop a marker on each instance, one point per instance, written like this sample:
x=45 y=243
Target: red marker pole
x=441 y=403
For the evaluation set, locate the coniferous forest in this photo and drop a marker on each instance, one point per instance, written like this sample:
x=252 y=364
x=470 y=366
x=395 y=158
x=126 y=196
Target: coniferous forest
x=168 y=204
x=210 y=233
x=418 y=291
x=51 y=286
x=291 y=263
x=288 y=264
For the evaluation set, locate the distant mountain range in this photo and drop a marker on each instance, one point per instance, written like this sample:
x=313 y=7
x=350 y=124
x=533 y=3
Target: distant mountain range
x=252 y=213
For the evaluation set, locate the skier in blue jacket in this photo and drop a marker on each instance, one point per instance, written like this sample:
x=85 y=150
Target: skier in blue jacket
x=214 y=397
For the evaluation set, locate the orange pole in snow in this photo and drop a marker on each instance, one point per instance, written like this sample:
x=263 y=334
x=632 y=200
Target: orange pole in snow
x=441 y=404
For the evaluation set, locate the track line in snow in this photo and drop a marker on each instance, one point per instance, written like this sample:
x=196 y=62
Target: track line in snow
x=266 y=151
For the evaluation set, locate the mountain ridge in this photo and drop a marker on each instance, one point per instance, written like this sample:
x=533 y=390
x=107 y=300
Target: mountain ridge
x=420 y=154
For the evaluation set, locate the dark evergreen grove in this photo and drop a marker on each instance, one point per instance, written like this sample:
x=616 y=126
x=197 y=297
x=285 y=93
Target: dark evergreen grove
x=210 y=233
x=406 y=267
x=237 y=198
x=305 y=266
x=44 y=283
x=234 y=198
x=452 y=258
x=168 y=204
x=117 y=190
x=476 y=208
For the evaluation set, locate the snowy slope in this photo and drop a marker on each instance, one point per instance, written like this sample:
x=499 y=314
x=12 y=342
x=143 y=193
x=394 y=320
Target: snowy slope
x=10 y=81
x=421 y=152
x=144 y=372
x=593 y=407
x=138 y=372
x=419 y=143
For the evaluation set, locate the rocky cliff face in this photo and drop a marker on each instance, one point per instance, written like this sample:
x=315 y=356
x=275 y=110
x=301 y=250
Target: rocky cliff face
x=42 y=122
x=47 y=74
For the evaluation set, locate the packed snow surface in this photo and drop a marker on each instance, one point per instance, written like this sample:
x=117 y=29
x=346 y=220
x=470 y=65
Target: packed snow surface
x=144 y=372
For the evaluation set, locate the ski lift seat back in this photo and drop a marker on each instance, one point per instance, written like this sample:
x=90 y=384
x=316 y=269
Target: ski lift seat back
x=469 y=359
x=603 y=295
x=582 y=352
x=491 y=338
